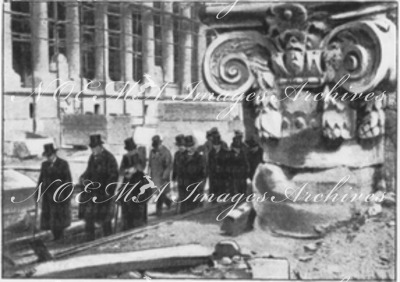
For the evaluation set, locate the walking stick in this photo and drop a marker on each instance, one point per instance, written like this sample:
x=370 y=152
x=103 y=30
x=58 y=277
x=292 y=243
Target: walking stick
x=116 y=219
x=35 y=220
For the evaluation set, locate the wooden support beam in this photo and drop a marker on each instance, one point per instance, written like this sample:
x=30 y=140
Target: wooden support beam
x=99 y=265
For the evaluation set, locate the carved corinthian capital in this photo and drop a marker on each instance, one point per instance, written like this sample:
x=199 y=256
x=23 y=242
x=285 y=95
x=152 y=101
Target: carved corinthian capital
x=318 y=52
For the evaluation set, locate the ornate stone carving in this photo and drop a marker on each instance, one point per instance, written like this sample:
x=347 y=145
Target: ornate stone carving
x=310 y=50
x=233 y=60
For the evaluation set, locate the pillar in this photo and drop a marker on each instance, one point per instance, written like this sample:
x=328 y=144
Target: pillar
x=187 y=45
x=73 y=41
x=127 y=42
x=148 y=44
x=11 y=79
x=40 y=42
x=168 y=42
x=101 y=41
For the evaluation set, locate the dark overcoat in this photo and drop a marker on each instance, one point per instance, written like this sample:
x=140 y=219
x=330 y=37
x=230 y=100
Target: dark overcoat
x=178 y=172
x=194 y=171
x=134 y=214
x=239 y=171
x=102 y=169
x=218 y=171
x=255 y=157
x=55 y=214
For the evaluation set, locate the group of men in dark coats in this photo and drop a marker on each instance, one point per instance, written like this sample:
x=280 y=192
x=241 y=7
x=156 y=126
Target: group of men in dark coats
x=226 y=168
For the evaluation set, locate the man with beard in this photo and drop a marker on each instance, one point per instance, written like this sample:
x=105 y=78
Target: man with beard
x=194 y=172
x=56 y=213
x=160 y=163
x=218 y=167
x=101 y=171
x=178 y=165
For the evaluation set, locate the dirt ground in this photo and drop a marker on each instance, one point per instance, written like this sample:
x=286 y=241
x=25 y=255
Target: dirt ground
x=356 y=250
x=361 y=249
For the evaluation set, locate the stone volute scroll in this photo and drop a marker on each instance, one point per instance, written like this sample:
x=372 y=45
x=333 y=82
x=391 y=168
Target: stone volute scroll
x=323 y=78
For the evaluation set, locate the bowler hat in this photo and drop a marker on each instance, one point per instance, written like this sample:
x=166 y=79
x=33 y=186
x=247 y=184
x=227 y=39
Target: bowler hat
x=130 y=144
x=180 y=140
x=156 y=138
x=214 y=130
x=95 y=140
x=189 y=141
x=48 y=149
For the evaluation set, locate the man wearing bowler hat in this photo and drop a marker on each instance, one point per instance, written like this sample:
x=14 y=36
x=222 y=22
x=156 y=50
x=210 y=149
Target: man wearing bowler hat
x=194 y=175
x=160 y=164
x=56 y=213
x=101 y=171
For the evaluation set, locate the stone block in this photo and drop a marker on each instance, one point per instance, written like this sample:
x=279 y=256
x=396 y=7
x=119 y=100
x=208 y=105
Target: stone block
x=270 y=268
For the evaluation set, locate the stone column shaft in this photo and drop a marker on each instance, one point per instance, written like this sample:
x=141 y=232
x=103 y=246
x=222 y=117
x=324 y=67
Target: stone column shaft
x=12 y=79
x=40 y=38
x=101 y=41
x=187 y=45
x=73 y=40
x=168 y=43
x=148 y=44
x=127 y=42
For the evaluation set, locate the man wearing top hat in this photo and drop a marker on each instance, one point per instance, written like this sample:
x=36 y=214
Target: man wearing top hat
x=160 y=165
x=134 y=208
x=56 y=213
x=137 y=160
x=101 y=171
x=194 y=175
x=178 y=165
x=218 y=167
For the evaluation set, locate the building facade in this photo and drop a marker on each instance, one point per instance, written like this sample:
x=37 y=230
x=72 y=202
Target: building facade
x=120 y=59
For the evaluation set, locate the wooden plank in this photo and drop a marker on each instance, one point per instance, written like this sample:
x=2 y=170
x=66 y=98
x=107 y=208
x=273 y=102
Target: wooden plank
x=105 y=264
x=166 y=275
x=125 y=234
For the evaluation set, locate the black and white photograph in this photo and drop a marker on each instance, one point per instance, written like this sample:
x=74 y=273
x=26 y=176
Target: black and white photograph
x=184 y=140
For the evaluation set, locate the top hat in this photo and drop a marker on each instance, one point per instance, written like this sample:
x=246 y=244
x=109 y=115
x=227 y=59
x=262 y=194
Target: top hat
x=95 y=140
x=189 y=141
x=180 y=140
x=129 y=144
x=48 y=149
